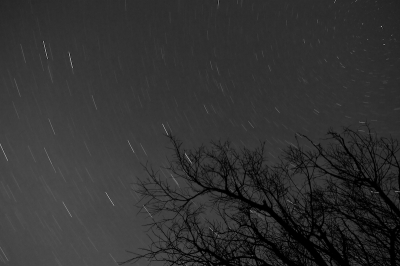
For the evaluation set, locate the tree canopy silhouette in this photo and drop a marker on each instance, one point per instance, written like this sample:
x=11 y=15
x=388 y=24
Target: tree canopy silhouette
x=335 y=202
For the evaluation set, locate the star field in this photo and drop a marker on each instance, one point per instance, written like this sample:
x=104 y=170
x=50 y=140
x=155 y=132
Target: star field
x=88 y=88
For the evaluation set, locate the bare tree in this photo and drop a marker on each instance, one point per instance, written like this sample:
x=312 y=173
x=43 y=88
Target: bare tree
x=329 y=203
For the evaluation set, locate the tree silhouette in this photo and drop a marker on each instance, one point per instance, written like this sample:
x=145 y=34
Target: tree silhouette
x=329 y=203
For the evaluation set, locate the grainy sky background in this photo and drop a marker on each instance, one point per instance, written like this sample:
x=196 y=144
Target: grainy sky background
x=87 y=87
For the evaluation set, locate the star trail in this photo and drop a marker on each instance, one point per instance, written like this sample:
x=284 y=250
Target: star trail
x=89 y=88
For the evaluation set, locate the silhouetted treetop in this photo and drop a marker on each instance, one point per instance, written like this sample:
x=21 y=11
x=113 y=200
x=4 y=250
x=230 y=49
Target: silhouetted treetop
x=332 y=202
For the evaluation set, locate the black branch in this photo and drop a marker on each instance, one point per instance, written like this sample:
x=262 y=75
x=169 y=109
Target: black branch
x=333 y=203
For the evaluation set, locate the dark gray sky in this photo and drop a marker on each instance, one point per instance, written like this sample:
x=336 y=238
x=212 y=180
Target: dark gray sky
x=87 y=87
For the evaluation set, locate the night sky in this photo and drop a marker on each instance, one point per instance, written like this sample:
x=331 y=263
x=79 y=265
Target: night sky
x=87 y=89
